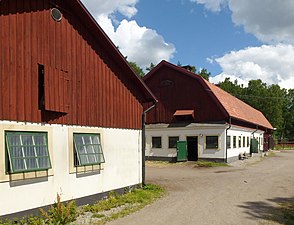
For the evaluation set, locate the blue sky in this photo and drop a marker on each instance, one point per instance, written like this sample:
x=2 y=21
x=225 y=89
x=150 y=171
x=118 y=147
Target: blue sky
x=242 y=40
x=198 y=34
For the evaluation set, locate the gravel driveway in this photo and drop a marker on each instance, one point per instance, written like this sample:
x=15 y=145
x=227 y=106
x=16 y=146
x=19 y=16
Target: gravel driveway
x=241 y=194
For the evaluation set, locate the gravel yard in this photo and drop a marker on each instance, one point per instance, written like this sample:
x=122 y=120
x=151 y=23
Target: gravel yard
x=246 y=193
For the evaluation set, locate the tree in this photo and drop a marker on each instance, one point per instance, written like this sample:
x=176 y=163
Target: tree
x=150 y=67
x=204 y=73
x=288 y=125
x=138 y=70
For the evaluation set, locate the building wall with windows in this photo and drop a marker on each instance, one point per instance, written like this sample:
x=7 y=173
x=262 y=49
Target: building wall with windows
x=214 y=150
x=211 y=141
x=39 y=188
x=61 y=77
x=238 y=141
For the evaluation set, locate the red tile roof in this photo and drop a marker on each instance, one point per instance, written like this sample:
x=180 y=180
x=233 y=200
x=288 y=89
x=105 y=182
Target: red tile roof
x=237 y=108
x=184 y=113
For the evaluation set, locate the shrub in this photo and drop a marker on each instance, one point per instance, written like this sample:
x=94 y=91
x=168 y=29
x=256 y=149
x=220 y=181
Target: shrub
x=59 y=213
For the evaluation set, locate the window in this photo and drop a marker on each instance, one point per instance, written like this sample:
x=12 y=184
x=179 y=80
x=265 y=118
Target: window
x=234 y=142
x=211 y=142
x=248 y=143
x=228 y=141
x=239 y=142
x=88 y=149
x=27 y=152
x=156 y=142
x=244 y=142
x=172 y=142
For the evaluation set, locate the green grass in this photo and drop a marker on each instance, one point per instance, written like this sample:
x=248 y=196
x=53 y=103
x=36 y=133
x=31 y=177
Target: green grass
x=124 y=204
x=285 y=147
x=201 y=163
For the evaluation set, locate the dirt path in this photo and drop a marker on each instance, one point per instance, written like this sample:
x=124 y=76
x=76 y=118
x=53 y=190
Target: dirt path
x=230 y=195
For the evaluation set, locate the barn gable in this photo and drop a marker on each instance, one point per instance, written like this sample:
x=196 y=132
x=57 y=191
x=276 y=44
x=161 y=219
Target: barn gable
x=65 y=72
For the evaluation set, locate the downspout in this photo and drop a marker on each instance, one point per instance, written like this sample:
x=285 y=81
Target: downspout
x=144 y=140
x=230 y=125
x=256 y=129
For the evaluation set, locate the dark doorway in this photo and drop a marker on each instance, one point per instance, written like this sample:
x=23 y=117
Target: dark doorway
x=192 y=147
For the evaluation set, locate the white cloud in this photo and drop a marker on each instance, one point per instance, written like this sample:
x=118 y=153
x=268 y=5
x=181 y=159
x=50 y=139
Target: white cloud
x=140 y=44
x=271 y=21
x=107 y=7
x=271 y=64
x=213 y=5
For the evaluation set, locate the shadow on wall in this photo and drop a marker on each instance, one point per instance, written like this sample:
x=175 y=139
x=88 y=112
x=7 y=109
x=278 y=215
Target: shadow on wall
x=282 y=212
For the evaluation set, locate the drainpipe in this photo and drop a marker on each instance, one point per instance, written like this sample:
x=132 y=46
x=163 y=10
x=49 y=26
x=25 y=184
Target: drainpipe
x=144 y=140
x=230 y=125
x=256 y=129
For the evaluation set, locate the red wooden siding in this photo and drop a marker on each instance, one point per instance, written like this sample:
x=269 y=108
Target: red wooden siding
x=83 y=84
x=176 y=91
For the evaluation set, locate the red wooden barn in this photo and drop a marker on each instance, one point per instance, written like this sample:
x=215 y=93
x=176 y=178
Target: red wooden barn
x=70 y=107
x=216 y=125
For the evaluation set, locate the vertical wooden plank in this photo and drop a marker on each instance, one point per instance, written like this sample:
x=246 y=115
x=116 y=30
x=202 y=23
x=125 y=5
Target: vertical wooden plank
x=83 y=110
x=57 y=45
x=92 y=89
x=5 y=60
x=12 y=61
x=73 y=67
x=2 y=58
x=100 y=95
x=27 y=61
x=34 y=61
x=20 y=62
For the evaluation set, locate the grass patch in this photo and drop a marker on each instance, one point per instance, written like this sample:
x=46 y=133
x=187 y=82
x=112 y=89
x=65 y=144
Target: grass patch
x=201 y=163
x=116 y=206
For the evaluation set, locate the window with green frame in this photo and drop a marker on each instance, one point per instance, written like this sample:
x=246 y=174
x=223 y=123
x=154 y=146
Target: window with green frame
x=27 y=152
x=211 y=142
x=88 y=149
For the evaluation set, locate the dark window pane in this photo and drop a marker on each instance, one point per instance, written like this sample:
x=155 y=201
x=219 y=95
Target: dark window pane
x=211 y=142
x=156 y=142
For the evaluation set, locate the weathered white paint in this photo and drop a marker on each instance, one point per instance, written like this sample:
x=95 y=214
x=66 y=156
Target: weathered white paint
x=201 y=131
x=122 y=167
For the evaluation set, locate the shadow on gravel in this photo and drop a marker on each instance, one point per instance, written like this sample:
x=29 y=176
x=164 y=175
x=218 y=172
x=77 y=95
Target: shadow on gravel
x=283 y=213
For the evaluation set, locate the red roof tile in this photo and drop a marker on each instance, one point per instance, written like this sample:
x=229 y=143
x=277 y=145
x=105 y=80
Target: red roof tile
x=237 y=108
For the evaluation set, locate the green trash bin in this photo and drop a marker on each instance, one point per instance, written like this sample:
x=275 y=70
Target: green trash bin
x=182 y=152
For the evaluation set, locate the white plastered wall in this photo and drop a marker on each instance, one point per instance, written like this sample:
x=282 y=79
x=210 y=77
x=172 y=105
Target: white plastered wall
x=201 y=131
x=239 y=133
x=122 y=167
x=198 y=130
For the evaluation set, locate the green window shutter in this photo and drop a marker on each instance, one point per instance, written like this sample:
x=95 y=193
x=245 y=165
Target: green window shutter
x=27 y=151
x=88 y=149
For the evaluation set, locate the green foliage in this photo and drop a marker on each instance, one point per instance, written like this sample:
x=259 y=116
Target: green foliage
x=127 y=203
x=138 y=70
x=210 y=164
x=275 y=103
x=204 y=73
x=150 y=67
x=30 y=220
x=59 y=213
